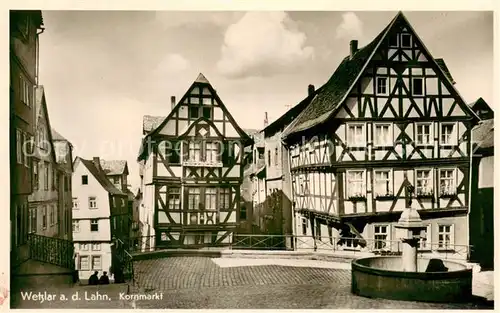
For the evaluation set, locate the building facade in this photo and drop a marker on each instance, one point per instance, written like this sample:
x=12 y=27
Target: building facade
x=100 y=217
x=64 y=158
x=23 y=57
x=193 y=170
x=388 y=118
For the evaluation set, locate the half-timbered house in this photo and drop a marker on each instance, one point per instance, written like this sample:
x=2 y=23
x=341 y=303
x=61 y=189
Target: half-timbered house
x=193 y=170
x=389 y=117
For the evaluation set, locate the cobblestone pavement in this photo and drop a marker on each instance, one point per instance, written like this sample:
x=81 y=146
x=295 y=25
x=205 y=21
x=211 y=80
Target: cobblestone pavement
x=198 y=283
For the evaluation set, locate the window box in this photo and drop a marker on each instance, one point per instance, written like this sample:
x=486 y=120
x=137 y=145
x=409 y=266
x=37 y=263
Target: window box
x=385 y=197
x=357 y=198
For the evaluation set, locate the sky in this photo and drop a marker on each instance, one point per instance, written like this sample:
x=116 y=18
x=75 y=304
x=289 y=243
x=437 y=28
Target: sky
x=104 y=70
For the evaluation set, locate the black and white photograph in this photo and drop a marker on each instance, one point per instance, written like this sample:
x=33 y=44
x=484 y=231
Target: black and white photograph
x=250 y=159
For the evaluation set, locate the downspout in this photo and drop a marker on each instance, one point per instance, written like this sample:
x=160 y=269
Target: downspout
x=294 y=218
x=42 y=29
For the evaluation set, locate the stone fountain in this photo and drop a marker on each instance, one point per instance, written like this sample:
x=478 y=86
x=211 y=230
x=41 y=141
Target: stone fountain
x=408 y=277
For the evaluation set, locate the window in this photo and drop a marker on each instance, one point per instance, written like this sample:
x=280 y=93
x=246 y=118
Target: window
x=84 y=263
x=318 y=230
x=243 y=212
x=116 y=180
x=94 y=225
x=26 y=150
x=405 y=41
x=383 y=183
x=304 y=226
x=96 y=247
x=52 y=215
x=268 y=157
x=381 y=236
x=425 y=238
x=447 y=134
x=211 y=198
x=44 y=217
x=424 y=182
x=225 y=198
x=19 y=146
x=194 y=112
x=383 y=135
x=46 y=174
x=356 y=135
x=173 y=152
x=447 y=182
x=84 y=247
x=355 y=184
x=25 y=91
x=85 y=180
x=193 y=198
x=96 y=262
x=423 y=134
x=123 y=202
x=194 y=153
x=174 y=196
x=75 y=203
x=276 y=156
x=418 y=88
x=445 y=237
x=381 y=85
x=207 y=113
x=92 y=203
x=32 y=220
x=212 y=152
x=35 y=175
x=76 y=226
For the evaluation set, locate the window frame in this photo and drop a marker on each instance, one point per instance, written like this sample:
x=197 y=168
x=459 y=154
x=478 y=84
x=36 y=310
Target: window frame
x=93 y=199
x=225 y=198
x=349 y=137
x=452 y=135
x=390 y=178
x=304 y=226
x=410 y=37
x=92 y=265
x=75 y=226
x=378 y=85
x=95 y=223
x=193 y=194
x=417 y=125
x=362 y=193
x=451 y=245
x=87 y=268
x=210 y=197
x=453 y=178
x=426 y=192
x=85 y=180
x=36 y=177
x=426 y=245
x=389 y=143
x=421 y=79
x=386 y=240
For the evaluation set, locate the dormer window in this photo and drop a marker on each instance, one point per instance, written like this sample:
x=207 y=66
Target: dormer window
x=405 y=40
x=381 y=85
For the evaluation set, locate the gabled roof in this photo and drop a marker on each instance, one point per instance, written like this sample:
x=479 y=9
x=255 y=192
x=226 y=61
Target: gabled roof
x=483 y=134
x=152 y=122
x=333 y=93
x=56 y=136
x=41 y=107
x=100 y=176
x=482 y=109
x=444 y=68
x=114 y=167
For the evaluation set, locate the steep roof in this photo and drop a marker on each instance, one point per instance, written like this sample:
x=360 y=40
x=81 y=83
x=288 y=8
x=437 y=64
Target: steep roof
x=483 y=134
x=440 y=62
x=332 y=94
x=114 y=167
x=41 y=107
x=100 y=176
x=150 y=122
x=482 y=109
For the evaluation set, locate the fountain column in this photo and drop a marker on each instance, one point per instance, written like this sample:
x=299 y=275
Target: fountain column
x=411 y=222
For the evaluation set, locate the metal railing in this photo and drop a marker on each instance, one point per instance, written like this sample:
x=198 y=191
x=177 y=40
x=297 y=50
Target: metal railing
x=51 y=250
x=341 y=245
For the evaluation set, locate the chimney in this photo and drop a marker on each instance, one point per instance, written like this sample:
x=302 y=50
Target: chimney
x=354 y=47
x=97 y=163
x=310 y=90
x=172 y=101
x=266 y=121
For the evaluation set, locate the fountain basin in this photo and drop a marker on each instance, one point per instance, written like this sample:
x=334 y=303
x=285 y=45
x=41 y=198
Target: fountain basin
x=381 y=277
